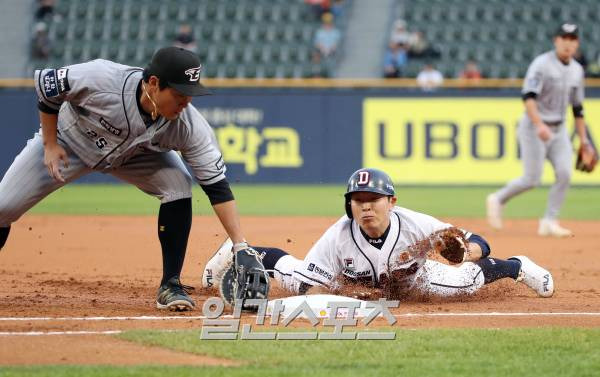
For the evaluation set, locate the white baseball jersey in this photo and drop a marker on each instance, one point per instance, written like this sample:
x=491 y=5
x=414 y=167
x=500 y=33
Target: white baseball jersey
x=556 y=84
x=100 y=121
x=344 y=250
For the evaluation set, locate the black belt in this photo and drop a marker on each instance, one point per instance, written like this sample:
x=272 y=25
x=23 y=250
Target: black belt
x=554 y=124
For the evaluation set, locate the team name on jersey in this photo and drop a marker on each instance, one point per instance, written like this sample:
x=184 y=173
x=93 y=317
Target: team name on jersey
x=109 y=127
x=357 y=274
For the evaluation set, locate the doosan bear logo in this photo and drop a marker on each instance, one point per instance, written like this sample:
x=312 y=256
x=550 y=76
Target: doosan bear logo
x=194 y=73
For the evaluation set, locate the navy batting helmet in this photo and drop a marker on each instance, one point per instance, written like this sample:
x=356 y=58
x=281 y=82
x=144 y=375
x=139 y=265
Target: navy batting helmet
x=368 y=180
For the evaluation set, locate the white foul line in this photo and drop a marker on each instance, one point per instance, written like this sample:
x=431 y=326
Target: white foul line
x=168 y=318
x=165 y=318
x=499 y=314
x=117 y=318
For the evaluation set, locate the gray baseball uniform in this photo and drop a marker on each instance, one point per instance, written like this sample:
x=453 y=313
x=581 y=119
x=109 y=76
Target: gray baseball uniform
x=556 y=85
x=101 y=129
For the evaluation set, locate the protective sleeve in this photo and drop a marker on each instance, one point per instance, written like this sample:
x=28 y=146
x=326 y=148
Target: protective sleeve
x=218 y=192
x=46 y=109
x=483 y=244
x=578 y=111
x=529 y=95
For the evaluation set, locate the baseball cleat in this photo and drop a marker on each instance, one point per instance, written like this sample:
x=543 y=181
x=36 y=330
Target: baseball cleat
x=494 y=211
x=550 y=227
x=535 y=277
x=174 y=296
x=217 y=265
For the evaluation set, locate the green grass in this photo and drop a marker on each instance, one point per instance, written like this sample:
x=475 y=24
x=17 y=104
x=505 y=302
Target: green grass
x=430 y=352
x=317 y=200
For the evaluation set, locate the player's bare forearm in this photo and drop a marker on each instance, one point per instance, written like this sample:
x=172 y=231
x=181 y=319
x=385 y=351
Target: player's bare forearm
x=49 y=126
x=474 y=252
x=532 y=111
x=230 y=219
x=581 y=132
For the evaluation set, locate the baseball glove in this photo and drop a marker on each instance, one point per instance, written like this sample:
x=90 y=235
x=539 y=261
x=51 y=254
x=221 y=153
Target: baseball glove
x=587 y=157
x=451 y=244
x=245 y=278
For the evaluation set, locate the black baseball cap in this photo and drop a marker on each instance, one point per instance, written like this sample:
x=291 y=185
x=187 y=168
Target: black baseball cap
x=568 y=30
x=180 y=69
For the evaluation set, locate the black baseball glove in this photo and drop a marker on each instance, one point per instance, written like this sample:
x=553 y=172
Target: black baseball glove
x=245 y=279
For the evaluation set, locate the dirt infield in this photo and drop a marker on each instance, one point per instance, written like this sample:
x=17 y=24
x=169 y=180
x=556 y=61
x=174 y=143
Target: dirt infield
x=60 y=273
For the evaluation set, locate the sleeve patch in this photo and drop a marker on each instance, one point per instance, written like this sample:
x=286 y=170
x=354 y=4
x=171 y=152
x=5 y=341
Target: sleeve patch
x=63 y=80
x=49 y=82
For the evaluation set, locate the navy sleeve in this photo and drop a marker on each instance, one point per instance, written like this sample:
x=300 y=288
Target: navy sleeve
x=485 y=247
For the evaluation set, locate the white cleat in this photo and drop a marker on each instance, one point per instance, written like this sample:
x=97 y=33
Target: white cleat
x=494 y=211
x=535 y=277
x=217 y=265
x=550 y=227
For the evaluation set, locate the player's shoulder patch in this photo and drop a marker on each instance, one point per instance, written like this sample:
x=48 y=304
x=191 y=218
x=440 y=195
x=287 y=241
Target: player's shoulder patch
x=56 y=82
x=62 y=76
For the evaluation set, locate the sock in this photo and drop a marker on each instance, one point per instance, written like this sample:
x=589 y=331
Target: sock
x=4 y=235
x=270 y=257
x=174 y=223
x=494 y=269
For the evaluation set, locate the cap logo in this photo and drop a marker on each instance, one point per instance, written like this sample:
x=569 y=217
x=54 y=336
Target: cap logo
x=363 y=178
x=194 y=73
x=569 y=28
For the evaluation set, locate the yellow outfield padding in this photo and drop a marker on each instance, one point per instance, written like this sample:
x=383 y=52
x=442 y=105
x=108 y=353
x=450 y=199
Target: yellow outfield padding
x=455 y=140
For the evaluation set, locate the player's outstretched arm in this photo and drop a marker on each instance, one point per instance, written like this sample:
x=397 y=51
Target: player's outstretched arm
x=230 y=219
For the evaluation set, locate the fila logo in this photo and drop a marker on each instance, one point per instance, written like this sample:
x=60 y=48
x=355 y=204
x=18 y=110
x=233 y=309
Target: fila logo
x=546 y=282
x=194 y=73
x=349 y=263
x=209 y=278
x=363 y=177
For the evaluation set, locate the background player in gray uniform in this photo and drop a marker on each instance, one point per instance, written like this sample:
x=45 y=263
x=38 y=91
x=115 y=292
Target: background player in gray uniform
x=370 y=245
x=553 y=81
x=127 y=122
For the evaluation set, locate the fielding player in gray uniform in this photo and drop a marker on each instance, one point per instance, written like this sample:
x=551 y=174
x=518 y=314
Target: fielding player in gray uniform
x=127 y=122
x=553 y=81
